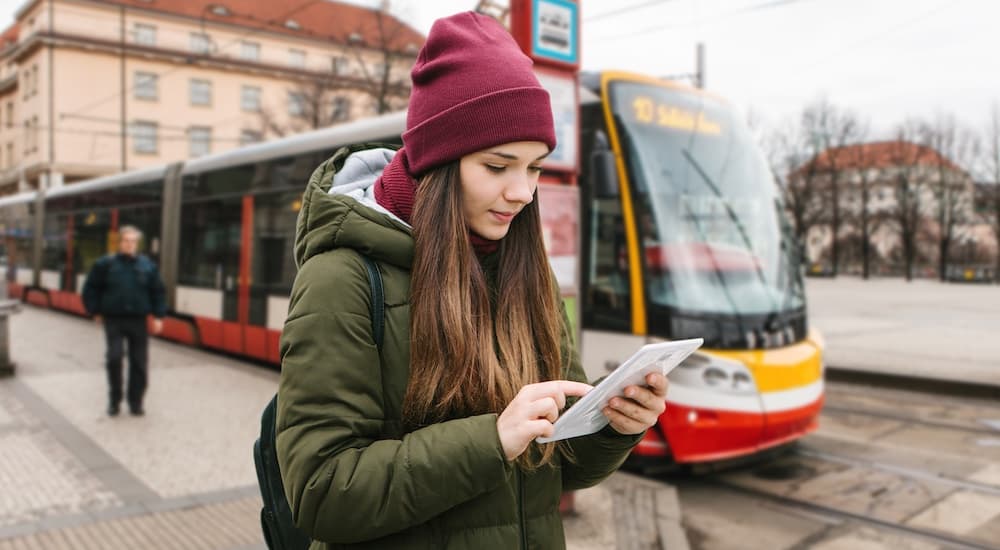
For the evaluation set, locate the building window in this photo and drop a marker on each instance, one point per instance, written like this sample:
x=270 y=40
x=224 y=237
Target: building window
x=250 y=51
x=27 y=136
x=250 y=98
x=26 y=82
x=341 y=109
x=249 y=136
x=200 y=140
x=145 y=85
x=200 y=43
x=34 y=133
x=145 y=34
x=339 y=66
x=296 y=104
x=10 y=114
x=201 y=92
x=144 y=136
x=297 y=59
x=34 y=79
x=10 y=155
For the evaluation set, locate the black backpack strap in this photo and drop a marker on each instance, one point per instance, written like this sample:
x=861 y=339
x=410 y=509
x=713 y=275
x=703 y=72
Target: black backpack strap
x=378 y=300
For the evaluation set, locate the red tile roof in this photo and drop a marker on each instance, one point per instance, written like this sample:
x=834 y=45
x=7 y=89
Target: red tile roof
x=311 y=19
x=9 y=35
x=880 y=154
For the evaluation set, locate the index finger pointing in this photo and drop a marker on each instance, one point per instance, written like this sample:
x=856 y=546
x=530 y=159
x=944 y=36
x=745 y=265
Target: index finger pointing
x=559 y=389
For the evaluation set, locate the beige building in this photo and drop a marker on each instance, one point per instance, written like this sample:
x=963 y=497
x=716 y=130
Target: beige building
x=881 y=165
x=92 y=87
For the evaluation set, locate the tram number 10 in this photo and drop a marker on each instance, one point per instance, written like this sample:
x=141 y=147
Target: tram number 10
x=648 y=111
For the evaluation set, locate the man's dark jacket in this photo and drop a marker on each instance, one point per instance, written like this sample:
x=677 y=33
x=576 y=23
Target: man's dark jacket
x=122 y=285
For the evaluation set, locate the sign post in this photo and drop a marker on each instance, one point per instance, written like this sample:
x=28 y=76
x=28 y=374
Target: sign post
x=548 y=31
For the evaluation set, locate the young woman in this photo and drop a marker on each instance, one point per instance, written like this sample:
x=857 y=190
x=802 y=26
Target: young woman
x=427 y=442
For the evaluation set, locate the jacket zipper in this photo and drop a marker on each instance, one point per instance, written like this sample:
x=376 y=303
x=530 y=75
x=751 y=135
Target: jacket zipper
x=520 y=509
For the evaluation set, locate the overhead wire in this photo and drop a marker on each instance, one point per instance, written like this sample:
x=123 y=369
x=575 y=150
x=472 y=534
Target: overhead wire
x=659 y=27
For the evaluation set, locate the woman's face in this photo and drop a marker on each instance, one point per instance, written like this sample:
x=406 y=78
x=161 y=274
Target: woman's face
x=497 y=183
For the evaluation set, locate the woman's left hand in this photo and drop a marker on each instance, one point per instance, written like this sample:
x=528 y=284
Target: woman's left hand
x=641 y=406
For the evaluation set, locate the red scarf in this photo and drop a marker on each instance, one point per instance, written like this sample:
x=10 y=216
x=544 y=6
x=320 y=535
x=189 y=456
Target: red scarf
x=395 y=190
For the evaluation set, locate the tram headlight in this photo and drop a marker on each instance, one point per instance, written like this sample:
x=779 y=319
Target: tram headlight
x=714 y=376
x=714 y=373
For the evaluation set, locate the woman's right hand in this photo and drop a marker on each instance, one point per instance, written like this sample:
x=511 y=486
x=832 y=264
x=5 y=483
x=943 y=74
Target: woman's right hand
x=532 y=411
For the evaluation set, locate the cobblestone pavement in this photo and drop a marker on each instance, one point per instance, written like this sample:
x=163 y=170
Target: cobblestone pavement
x=180 y=477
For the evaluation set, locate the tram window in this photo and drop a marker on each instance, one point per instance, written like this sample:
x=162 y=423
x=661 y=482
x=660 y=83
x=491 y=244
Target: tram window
x=608 y=296
x=274 y=219
x=54 y=250
x=295 y=171
x=91 y=230
x=19 y=221
x=210 y=243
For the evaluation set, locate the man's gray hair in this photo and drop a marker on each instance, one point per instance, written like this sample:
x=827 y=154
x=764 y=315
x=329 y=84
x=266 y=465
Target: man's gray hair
x=130 y=229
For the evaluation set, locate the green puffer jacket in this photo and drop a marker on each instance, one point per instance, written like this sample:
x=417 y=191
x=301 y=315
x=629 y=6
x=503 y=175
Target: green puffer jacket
x=353 y=479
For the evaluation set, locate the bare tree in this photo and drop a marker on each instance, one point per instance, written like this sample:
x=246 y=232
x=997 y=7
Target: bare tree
x=992 y=168
x=856 y=163
x=793 y=152
x=838 y=130
x=905 y=156
x=317 y=103
x=954 y=144
x=376 y=50
x=389 y=42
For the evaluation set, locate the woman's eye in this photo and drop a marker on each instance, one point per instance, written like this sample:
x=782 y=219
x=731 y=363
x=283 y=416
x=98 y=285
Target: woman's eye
x=495 y=168
x=535 y=169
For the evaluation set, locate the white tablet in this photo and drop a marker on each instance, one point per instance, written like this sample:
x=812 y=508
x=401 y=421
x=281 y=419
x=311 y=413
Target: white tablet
x=585 y=417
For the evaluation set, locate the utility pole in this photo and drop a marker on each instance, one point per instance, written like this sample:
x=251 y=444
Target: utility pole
x=699 y=75
x=124 y=132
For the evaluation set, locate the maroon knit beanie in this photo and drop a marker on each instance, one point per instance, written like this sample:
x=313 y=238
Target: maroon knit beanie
x=473 y=88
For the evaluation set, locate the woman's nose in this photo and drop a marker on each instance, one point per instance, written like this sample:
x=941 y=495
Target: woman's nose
x=521 y=189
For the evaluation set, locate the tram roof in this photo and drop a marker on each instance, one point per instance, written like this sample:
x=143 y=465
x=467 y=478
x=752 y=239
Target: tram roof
x=141 y=175
x=26 y=196
x=370 y=129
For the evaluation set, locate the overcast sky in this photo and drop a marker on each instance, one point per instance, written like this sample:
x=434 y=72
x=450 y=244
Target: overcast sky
x=885 y=59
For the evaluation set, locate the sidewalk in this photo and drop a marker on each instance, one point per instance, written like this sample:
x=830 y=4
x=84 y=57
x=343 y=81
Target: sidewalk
x=181 y=477
x=928 y=329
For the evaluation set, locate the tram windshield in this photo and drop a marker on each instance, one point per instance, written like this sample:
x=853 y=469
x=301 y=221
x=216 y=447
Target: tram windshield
x=709 y=214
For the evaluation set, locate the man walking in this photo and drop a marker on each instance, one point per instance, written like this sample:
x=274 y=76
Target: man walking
x=121 y=290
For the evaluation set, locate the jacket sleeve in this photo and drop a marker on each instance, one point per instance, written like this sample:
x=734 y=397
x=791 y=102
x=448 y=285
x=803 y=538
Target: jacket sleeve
x=93 y=287
x=594 y=457
x=343 y=482
x=157 y=292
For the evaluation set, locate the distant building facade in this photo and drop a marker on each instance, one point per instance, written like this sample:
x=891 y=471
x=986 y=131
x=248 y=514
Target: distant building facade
x=882 y=167
x=94 y=87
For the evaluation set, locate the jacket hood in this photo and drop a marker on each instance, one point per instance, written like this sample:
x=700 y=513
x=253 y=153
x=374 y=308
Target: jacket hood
x=339 y=210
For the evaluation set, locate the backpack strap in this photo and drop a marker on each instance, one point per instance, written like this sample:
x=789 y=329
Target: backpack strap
x=378 y=300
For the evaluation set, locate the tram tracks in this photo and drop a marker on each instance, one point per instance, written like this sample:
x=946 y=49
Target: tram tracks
x=910 y=466
x=801 y=463
x=886 y=415
x=797 y=505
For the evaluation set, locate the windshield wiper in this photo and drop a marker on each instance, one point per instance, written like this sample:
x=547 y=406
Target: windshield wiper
x=736 y=221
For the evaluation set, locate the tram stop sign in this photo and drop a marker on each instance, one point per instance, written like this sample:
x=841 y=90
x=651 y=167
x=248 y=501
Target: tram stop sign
x=548 y=31
x=555 y=32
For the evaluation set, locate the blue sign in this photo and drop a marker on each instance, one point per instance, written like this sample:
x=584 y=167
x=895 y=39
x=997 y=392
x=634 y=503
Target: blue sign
x=554 y=33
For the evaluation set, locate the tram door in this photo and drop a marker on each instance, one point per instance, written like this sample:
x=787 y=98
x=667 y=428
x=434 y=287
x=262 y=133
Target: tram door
x=208 y=275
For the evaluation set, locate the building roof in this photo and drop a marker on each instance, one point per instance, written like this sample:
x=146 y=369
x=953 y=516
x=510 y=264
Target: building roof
x=310 y=19
x=879 y=154
x=9 y=35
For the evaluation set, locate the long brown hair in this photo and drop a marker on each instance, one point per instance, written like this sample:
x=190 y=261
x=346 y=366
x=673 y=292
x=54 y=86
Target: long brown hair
x=470 y=352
